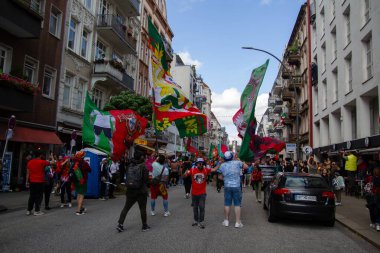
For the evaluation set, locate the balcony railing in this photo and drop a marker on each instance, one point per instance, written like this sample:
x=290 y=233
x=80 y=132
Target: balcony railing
x=287 y=95
x=294 y=58
x=168 y=49
x=32 y=5
x=115 y=31
x=295 y=81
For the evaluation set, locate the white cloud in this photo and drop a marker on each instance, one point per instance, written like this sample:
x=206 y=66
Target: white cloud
x=225 y=105
x=265 y=2
x=186 y=5
x=188 y=60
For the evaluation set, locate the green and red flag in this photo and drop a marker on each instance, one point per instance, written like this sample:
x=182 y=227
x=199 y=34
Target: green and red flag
x=213 y=152
x=169 y=102
x=111 y=131
x=253 y=146
x=222 y=149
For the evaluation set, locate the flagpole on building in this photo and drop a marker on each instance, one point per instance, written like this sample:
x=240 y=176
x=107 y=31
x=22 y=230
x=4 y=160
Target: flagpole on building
x=295 y=95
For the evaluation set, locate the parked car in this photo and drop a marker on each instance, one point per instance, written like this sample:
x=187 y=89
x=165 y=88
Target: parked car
x=299 y=195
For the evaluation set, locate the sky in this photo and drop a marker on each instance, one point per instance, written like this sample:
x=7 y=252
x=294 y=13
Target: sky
x=210 y=34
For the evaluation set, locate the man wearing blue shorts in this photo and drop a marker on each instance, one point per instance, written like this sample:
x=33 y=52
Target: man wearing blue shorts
x=232 y=191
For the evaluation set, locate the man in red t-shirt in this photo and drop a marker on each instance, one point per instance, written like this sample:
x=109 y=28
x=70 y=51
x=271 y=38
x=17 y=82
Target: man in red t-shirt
x=35 y=179
x=198 y=178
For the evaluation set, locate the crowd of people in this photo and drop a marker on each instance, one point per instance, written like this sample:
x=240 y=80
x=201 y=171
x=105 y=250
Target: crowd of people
x=152 y=175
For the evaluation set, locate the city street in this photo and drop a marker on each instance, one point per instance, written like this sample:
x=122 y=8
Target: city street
x=60 y=230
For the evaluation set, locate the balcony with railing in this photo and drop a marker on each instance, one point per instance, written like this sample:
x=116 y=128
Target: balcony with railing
x=21 y=18
x=294 y=57
x=287 y=95
x=130 y=7
x=168 y=49
x=16 y=94
x=295 y=82
x=114 y=73
x=114 y=31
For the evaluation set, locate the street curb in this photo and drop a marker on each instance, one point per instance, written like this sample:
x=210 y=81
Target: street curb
x=351 y=226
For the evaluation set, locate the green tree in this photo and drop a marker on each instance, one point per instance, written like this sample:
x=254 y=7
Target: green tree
x=130 y=100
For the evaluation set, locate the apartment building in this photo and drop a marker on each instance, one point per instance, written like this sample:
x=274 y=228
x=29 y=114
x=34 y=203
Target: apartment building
x=32 y=36
x=99 y=57
x=345 y=37
x=289 y=102
x=156 y=11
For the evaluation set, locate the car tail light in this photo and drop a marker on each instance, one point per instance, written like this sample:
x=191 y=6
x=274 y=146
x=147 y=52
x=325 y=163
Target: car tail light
x=281 y=191
x=329 y=195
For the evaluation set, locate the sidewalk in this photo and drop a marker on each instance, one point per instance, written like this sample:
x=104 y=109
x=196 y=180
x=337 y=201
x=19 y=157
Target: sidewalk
x=355 y=216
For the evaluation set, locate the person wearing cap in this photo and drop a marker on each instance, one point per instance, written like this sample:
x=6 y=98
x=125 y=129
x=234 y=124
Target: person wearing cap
x=232 y=191
x=198 y=175
x=81 y=183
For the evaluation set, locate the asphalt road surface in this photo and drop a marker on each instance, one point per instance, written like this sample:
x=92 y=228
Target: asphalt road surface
x=60 y=230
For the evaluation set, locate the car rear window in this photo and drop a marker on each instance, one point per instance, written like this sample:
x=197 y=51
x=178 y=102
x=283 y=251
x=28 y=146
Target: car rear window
x=306 y=182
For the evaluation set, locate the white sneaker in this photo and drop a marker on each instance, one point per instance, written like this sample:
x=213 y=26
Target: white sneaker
x=238 y=225
x=28 y=213
x=38 y=213
x=62 y=205
x=225 y=223
x=377 y=227
x=372 y=225
x=153 y=213
x=69 y=205
x=166 y=214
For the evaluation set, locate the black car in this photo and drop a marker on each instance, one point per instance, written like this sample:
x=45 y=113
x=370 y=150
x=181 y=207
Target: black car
x=299 y=195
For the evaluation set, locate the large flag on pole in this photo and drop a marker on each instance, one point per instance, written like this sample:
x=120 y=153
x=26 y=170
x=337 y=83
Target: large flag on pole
x=110 y=131
x=253 y=146
x=248 y=99
x=169 y=102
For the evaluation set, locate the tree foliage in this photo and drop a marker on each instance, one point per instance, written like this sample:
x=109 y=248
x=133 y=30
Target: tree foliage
x=132 y=101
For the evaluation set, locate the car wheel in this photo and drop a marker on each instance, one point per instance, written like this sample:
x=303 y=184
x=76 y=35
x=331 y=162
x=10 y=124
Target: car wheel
x=264 y=201
x=271 y=216
x=330 y=223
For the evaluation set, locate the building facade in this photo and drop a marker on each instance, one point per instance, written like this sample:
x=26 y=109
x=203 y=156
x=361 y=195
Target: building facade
x=99 y=57
x=32 y=36
x=155 y=10
x=289 y=101
x=346 y=54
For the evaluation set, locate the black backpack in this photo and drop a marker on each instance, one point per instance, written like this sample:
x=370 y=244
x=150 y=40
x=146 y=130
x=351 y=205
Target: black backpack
x=134 y=176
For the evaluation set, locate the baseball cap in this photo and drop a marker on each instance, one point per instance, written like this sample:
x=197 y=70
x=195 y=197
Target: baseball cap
x=200 y=160
x=228 y=155
x=104 y=159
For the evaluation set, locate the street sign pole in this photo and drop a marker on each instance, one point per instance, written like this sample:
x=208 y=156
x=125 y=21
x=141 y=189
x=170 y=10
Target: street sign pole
x=9 y=134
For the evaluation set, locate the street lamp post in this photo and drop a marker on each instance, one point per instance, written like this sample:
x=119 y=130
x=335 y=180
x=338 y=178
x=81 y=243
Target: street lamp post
x=296 y=95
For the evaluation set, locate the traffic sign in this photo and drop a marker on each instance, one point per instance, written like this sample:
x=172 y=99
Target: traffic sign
x=12 y=122
x=307 y=150
x=291 y=147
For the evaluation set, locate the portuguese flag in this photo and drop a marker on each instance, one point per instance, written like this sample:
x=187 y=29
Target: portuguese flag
x=110 y=131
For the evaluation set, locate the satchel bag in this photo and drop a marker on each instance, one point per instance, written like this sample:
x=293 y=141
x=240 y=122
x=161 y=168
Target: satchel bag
x=156 y=180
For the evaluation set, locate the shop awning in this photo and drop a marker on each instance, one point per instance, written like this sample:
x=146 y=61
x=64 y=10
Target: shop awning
x=31 y=135
x=160 y=151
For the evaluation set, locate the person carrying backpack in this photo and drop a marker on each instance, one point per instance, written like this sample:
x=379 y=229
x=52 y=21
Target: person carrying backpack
x=137 y=191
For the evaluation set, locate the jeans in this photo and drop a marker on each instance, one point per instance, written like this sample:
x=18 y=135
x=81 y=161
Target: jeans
x=65 y=188
x=112 y=187
x=257 y=187
x=47 y=191
x=36 y=194
x=103 y=188
x=131 y=198
x=199 y=203
x=187 y=183
x=232 y=194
